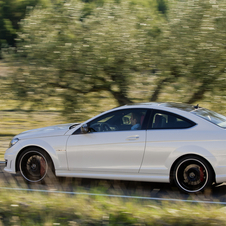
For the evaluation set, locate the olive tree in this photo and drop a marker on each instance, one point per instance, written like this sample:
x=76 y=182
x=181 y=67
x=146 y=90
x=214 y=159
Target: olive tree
x=62 y=53
x=190 y=54
x=11 y=12
x=134 y=54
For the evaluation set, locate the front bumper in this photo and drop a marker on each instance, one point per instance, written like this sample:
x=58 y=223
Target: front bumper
x=9 y=164
x=7 y=167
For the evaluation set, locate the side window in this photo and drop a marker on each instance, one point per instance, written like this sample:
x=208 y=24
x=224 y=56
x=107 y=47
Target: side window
x=121 y=120
x=167 y=120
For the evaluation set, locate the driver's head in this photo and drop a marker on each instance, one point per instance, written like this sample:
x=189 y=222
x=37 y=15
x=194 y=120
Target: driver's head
x=135 y=118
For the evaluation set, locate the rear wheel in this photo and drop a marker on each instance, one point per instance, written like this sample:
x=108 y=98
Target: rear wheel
x=192 y=174
x=35 y=165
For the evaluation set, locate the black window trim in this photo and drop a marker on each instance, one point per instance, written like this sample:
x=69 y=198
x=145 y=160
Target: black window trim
x=154 y=111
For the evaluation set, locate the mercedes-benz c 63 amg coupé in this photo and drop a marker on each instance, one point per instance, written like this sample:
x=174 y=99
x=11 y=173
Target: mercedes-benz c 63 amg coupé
x=155 y=142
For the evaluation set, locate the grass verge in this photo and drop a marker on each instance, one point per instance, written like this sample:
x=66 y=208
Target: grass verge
x=21 y=208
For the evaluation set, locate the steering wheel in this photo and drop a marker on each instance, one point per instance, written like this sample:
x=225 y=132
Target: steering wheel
x=105 y=127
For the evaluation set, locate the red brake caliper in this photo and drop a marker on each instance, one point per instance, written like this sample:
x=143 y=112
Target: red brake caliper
x=201 y=174
x=42 y=167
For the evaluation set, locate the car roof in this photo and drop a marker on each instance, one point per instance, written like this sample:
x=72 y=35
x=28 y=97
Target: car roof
x=180 y=106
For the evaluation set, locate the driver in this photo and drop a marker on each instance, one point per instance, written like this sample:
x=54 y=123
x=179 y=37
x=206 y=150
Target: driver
x=135 y=121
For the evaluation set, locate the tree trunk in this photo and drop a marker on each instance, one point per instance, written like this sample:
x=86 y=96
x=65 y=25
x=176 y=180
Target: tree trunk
x=121 y=98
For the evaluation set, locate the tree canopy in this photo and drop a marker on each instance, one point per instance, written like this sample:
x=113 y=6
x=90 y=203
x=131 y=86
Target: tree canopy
x=191 y=51
x=67 y=50
x=63 y=53
x=11 y=12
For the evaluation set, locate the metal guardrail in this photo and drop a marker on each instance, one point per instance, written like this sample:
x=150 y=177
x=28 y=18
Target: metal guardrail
x=117 y=196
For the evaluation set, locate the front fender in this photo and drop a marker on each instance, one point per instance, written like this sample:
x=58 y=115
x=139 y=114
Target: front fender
x=54 y=146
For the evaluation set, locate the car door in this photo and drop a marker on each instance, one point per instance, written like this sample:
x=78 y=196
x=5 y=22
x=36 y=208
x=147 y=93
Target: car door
x=166 y=133
x=110 y=145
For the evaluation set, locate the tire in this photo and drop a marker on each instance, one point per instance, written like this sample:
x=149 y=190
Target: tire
x=192 y=174
x=35 y=165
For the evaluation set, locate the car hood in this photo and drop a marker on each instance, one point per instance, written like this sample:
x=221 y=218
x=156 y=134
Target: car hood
x=57 y=130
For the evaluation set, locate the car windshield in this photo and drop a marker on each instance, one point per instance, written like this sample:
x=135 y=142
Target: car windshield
x=211 y=116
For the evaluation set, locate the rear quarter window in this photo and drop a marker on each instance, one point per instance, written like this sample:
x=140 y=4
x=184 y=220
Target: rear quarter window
x=167 y=120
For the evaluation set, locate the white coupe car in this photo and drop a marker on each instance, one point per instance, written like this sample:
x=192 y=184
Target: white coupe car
x=156 y=142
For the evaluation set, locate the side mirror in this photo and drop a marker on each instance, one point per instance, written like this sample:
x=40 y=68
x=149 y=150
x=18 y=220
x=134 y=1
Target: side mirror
x=84 y=128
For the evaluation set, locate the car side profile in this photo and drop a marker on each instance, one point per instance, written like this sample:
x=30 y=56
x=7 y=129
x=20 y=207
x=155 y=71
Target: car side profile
x=153 y=142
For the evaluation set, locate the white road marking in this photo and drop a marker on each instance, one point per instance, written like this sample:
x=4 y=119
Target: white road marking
x=115 y=196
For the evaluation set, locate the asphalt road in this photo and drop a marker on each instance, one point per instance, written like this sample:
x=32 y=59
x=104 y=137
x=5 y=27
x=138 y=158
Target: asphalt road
x=113 y=187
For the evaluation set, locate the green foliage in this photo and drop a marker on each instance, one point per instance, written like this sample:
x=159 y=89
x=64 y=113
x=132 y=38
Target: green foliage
x=61 y=53
x=190 y=53
x=26 y=208
x=11 y=12
x=134 y=50
x=150 y=5
x=162 y=6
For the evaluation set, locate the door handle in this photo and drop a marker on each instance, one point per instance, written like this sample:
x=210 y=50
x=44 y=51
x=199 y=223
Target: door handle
x=134 y=137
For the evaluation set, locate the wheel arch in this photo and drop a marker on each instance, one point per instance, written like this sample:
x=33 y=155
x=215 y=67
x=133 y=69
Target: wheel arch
x=190 y=155
x=32 y=146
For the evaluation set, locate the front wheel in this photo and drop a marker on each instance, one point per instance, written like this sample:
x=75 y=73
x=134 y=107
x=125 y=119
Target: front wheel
x=35 y=165
x=192 y=174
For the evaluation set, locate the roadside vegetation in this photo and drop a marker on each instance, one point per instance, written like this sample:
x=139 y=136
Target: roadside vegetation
x=25 y=208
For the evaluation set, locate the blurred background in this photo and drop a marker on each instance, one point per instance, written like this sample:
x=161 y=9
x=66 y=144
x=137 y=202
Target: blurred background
x=68 y=60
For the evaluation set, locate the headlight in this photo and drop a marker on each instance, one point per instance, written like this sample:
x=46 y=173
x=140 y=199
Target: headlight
x=13 y=141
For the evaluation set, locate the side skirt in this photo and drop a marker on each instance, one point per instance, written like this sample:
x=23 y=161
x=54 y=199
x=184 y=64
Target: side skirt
x=113 y=176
